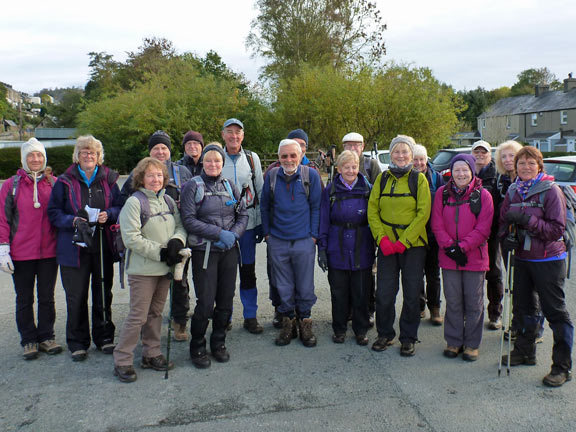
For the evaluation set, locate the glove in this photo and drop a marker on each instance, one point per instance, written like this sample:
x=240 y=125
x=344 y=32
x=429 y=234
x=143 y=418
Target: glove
x=386 y=246
x=323 y=260
x=510 y=243
x=399 y=247
x=83 y=234
x=6 y=263
x=228 y=238
x=455 y=253
x=259 y=233
x=518 y=218
x=219 y=245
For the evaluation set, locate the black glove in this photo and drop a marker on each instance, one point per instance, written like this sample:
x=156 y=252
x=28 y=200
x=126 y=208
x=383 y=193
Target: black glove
x=170 y=254
x=518 y=218
x=259 y=233
x=510 y=243
x=322 y=260
x=455 y=253
x=82 y=233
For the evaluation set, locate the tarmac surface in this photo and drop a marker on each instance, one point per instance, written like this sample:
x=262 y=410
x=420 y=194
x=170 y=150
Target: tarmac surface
x=292 y=388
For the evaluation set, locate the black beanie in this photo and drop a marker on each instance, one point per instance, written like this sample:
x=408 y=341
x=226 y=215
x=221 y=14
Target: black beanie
x=213 y=147
x=159 y=137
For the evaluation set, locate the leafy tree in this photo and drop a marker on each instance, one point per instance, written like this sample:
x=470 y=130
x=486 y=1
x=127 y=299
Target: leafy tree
x=338 y=33
x=478 y=101
x=4 y=106
x=528 y=78
x=67 y=109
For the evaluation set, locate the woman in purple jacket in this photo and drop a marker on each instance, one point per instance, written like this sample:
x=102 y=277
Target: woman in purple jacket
x=535 y=208
x=346 y=247
x=461 y=221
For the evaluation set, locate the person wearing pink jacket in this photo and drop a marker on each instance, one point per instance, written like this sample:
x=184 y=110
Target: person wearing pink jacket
x=461 y=221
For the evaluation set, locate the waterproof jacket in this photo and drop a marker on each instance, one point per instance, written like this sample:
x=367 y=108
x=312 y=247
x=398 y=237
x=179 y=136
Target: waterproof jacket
x=290 y=214
x=542 y=237
x=344 y=232
x=70 y=194
x=143 y=243
x=188 y=162
x=237 y=169
x=400 y=210
x=30 y=236
x=458 y=224
x=204 y=217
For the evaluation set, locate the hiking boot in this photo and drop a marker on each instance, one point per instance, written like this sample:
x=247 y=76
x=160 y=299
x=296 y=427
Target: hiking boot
x=158 y=363
x=452 y=351
x=361 y=340
x=50 y=347
x=435 y=317
x=277 y=321
x=382 y=344
x=517 y=358
x=495 y=324
x=470 y=354
x=125 y=374
x=180 y=333
x=79 y=355
x=556 y=379
x=289 y=331
x=252 y=325
x=200 y=359
x=407 y=349
x=338 y=338
x=30 y=351
x=221 y=354
x=306 y=336
x=107 y=348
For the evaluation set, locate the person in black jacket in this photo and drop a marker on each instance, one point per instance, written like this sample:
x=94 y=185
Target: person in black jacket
x=193 y=143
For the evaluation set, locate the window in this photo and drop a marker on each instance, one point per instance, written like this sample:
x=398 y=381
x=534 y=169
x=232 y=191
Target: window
x=563 y=117
x=534 y=119
x=483 y=123
x=508 y=122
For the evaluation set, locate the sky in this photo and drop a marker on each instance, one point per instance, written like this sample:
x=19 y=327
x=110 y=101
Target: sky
x=465 y=44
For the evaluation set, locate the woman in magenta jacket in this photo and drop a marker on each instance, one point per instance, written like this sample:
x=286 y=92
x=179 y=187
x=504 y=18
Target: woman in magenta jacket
x=461 y=221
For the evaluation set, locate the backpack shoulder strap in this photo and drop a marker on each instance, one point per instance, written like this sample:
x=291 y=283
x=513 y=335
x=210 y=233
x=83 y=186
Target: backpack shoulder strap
x=144 y=206
x=200 y=189
x=170 y=202
x=177 y=178
x=305 y=176
x=413 y=182
x=273 y=174
x=383 y=181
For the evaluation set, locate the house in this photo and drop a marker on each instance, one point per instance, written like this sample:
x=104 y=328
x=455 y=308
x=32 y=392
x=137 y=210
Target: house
x=546 y=120
x=464 y=139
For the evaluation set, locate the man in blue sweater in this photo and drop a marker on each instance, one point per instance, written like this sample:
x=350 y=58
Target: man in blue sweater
x=290 y=207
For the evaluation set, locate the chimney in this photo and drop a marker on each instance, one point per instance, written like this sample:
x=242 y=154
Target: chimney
x=540 y=89
x=569 y=83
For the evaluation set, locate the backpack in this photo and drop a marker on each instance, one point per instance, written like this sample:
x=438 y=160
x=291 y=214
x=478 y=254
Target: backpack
x=336 y=198
x=117 y=245
x=201 y=191
x=475 y=200
x=304 y=176
x=250 y=159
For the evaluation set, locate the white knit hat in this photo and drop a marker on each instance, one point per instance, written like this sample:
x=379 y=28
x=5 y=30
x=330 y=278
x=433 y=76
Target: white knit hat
x=29 y=146
x=353 y=137
x=408 y=140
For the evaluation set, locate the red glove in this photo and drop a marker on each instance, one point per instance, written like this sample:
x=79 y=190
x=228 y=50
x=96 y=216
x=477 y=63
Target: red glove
x=399 y=247
x=386 y=246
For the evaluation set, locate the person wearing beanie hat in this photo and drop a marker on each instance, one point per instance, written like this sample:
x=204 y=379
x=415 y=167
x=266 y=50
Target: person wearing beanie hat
x=369 y=167
x=461 y=221
x=159 y=137
x=243 y=167
x=485 y=170
x=398 y=210
x=193 y=143
x=28 y=249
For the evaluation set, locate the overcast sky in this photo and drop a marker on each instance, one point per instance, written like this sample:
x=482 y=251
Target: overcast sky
x=44 y=44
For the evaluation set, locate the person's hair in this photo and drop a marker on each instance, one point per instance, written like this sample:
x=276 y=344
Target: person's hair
x=286 y=142
x=88 y=142
x=420 y=150
x=140 y=171
x=529 y=152
x=506 y=145
x=216 y=143
x=347 y=156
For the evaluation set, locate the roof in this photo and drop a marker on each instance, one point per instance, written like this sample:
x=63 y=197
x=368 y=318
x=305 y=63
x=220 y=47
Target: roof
x=549 y=101
x=10 y=123
x=540 y=135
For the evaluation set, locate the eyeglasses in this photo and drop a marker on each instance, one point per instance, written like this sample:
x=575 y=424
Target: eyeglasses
x=353 y=145
x=85 y=153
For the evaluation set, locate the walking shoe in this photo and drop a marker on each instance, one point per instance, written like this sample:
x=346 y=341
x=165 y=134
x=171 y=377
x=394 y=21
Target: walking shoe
x=126 y=374
x=382 y=344
x=470 y=354
x=180 y=333
x=495 y=324
x=79 y=355
x=306 y=336
x=338 y=338
x=30 y=351
x=50 y=347
x=435 y=317
x=200 y=359
x=452 y=351
x=107 y=348
x=407 y=349
x=556 y=379
x=220 y=354
x=289 y=331
x=158 y=363
x=252 y=325
x=517 y=358
x=361 y=340
x=277 y=320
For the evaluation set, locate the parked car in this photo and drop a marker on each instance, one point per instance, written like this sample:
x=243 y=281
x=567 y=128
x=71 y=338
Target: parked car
x=563 y=168
x=441 y=160
x=383 y=158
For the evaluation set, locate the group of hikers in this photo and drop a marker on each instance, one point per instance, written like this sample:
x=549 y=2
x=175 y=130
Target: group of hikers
x=207 y=212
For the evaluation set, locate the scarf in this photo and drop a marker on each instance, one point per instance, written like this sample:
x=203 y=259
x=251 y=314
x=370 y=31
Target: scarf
x=399 y=171
x=525 y=186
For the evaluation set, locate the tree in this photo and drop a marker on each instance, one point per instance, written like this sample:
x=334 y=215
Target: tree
x=4 y=106
x=338 y=33
x=67 y=109
x=528 y=78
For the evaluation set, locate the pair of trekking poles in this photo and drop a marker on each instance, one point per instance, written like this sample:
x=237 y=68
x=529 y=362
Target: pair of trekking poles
x=508 y=301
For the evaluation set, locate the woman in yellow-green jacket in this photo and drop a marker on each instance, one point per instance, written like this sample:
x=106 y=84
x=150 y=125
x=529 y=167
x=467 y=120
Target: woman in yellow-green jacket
x=398 y=210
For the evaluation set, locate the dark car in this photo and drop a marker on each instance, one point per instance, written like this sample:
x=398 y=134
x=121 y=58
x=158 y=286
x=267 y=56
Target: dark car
x=441 y=161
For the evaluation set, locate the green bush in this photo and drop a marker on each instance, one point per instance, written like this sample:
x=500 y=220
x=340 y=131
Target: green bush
x=59 y=158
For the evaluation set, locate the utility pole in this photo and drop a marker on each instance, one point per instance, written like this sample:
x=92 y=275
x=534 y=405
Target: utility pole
x=20 y=119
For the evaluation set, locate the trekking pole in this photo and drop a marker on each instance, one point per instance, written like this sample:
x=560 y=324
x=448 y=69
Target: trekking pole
x=507 y=309
x=374 y=152
x=332 y=156
x=104 y=314
x=171 y=276
x=511 y=302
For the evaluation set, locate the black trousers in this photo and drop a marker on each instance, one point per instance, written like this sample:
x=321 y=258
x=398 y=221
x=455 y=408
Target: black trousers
x=547 y=280
x=181 y=298
x=42 y=273
x=494 y=285
x=431 y=295
x=76 y=282
x=350 y=291
x=214 y=288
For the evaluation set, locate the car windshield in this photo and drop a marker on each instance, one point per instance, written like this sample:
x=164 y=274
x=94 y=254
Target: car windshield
x=562 y=171
x=384 y=158
x=443 y=157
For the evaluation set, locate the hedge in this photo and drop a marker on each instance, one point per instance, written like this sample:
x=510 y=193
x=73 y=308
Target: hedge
x=59 y=158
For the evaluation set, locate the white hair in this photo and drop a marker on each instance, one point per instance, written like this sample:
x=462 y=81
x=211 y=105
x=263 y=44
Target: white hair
x=420 y=150
x=286 y=142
